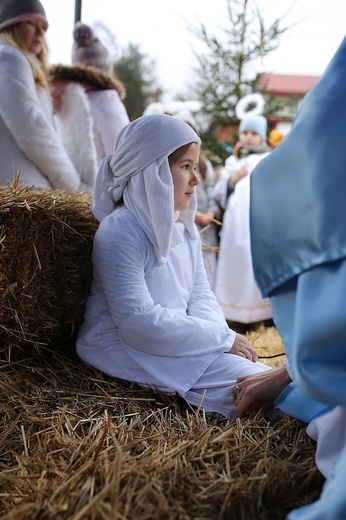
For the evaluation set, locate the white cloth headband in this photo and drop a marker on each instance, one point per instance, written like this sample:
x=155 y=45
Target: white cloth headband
x=143 y=148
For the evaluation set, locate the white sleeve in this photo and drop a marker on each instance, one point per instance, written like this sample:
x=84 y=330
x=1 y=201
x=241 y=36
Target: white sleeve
x=120 y=252
x=221 y=186
x=202 y=302
x=109 y=113
x=26 y=120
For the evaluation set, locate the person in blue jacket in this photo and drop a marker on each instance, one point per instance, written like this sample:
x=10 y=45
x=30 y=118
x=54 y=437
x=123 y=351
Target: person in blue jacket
x=298 y=224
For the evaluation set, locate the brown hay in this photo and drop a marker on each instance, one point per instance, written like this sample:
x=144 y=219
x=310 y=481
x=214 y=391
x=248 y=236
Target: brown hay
x=76 y=444
x=45 y=264
x=268 y=343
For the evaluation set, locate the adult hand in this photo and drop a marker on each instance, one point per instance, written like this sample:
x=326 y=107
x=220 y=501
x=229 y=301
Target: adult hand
x=242 y=347
x=259 y=391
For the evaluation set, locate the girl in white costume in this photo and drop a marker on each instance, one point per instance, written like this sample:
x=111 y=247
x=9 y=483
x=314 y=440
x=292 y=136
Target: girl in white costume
x=28 y=138
x=87 y=97
x=151 y=317
x=235 y=287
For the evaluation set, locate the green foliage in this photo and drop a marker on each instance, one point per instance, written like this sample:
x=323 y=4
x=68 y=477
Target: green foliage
x=221 y=77
x=216 y=151
x=135 y=71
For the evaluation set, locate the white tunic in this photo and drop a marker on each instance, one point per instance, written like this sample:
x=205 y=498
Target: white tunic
x=235 y=287
x=329 y=430
x=154 y=324
x=89 y=124
x=109 y=116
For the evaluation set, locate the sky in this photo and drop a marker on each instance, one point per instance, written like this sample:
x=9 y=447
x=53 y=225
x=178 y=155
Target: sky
x=162 y=29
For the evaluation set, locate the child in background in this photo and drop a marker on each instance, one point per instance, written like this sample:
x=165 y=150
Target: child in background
x=208 y=209
x=89 y=111
x=235 y=286
x=301 y=266
x=151 y=317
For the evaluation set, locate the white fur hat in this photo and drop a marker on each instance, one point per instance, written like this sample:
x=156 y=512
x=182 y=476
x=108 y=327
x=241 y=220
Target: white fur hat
x=87 y=48
x=95 y=46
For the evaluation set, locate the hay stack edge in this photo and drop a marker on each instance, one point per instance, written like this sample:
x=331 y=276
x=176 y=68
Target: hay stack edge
x=45 y=265
x=75 y=444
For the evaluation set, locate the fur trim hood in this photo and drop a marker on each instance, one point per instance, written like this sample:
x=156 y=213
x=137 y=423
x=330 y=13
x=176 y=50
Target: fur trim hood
x=90 y=77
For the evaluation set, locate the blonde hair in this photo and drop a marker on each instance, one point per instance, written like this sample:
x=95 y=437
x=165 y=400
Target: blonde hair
x=39 y=63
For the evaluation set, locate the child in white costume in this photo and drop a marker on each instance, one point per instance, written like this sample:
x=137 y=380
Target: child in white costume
x=151 y=317
x=87 y=97
x=28 y=139
x=235 y=287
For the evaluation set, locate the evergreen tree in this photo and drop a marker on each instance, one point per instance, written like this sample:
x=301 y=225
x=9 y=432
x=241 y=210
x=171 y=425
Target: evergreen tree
x=222 y=75
x=135 y=70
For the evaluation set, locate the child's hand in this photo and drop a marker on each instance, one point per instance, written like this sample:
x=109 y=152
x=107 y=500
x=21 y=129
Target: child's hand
x=56 y=91
x=204 y=219
x=239 y=174
x=242 y=347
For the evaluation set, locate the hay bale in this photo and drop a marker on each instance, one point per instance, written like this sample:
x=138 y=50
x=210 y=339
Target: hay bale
x=75 y=444
x=269 y=345
x=45 y=264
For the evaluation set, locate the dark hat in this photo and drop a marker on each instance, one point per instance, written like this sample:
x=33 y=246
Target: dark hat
x=15 y=11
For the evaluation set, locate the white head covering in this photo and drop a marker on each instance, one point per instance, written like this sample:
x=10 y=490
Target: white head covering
x=139 y=172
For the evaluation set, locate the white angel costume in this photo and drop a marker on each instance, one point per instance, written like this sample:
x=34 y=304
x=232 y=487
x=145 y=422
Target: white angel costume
x=235 y=287
x=151 y=317
x=91 y=116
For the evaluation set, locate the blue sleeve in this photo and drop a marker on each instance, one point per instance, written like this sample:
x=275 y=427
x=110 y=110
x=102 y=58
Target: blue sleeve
x=294 y=403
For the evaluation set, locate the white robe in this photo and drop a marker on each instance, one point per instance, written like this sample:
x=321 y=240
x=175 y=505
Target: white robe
x=28 y=139
x=329 y=430
x=235 y=286
x=158 y=325
x=89 y=124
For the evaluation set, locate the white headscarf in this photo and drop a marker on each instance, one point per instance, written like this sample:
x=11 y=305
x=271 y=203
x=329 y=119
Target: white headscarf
x=139 y=172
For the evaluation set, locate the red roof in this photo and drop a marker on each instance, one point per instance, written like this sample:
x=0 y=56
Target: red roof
x=285 y=84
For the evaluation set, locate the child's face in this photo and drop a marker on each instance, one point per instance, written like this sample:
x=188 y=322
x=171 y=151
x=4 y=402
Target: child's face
x=184 y=177
x=249 y=139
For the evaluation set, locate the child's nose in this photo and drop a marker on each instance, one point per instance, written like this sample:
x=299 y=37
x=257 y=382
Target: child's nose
x=195 y=179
